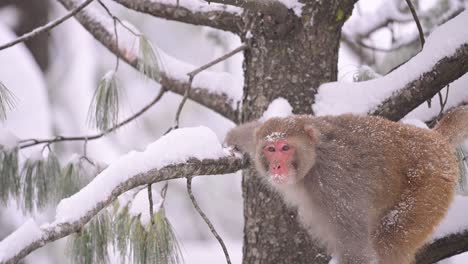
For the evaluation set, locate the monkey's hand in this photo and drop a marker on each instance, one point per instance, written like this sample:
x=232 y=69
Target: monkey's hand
x=242 y=138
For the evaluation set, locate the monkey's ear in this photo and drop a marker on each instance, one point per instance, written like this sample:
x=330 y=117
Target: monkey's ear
x=312 y=132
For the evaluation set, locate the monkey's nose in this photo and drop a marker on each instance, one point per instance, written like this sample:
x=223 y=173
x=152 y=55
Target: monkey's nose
x=278 y=168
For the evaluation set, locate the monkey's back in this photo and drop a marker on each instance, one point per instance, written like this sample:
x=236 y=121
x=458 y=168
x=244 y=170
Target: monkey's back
x=371 y=163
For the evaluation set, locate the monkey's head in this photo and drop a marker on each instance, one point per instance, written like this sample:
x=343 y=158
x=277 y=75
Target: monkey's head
x=285 y=149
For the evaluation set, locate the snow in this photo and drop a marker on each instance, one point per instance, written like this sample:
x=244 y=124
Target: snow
x=30 y=117
x=337 y=98
x=7 y=139
x=24 y=235
x=455 y=221
x=279 y=107
x=176 y=147
x=415 y=122
x=295 y=5
x=358 y=26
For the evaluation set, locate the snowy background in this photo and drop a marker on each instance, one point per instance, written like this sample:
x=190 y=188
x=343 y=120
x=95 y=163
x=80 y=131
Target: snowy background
x=57 y=103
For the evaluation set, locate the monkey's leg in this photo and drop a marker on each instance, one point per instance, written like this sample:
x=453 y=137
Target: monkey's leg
x=406 y=227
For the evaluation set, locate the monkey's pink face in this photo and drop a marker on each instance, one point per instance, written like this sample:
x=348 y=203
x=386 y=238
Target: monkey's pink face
x=280 y=155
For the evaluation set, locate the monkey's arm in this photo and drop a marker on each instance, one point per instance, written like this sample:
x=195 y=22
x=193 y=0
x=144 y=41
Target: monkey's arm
x=242 y=137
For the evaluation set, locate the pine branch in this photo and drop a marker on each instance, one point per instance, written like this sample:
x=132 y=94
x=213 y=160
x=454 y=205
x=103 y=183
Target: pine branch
x=58 y=229
x=222 y=17
x=220 y=103
x=26 y=143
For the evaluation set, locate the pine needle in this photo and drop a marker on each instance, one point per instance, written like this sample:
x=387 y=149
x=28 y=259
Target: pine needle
x=154 y=243
x=91 y=244
x=9 y=176
x=103 y=112
x=7 y=101
x=148 y=60
x=40 y=178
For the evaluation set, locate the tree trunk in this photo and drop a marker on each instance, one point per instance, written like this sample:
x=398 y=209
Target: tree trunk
x=288 y=59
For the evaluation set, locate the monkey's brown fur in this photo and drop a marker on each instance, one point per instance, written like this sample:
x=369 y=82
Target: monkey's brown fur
x=374 y=189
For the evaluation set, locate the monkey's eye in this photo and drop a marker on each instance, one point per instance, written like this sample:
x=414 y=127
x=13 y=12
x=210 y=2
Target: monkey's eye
x=271 y=149
x=285 y=148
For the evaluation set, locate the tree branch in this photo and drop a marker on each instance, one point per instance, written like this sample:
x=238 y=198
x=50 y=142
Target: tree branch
x=270 y=7
x=26 y=143
x=426 y=86
x=444 y=247
x=60 y=229
x=218 y=102
x=217 y=16
x=47 y=26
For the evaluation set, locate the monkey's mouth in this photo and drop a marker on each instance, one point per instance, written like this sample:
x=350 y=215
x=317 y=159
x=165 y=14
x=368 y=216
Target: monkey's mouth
x=280 y=178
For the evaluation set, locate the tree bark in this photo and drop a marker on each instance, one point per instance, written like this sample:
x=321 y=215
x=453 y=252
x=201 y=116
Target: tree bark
x=288 y=60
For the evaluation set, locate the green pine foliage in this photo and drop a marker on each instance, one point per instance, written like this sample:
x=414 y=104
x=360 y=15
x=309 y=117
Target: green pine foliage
x=134 y=241
x=75 y=175
x=90 y=246
x=103 y=112
x=9 y=175
x=7 y=101
x=148 y=60
x=39 y=180
x=155 y=243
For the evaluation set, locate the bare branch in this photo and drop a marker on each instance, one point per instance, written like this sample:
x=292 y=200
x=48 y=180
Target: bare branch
x=426 y=86
x=221 y=17
x=57 y=229
x=47 y=27
x=26 y=143
x=220 y=103
x=444 y=247
x=217 y=60
x=416 y=20
x=207 y=221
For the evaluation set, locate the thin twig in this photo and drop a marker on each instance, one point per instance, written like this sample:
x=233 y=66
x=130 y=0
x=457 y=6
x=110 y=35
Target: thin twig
x=32 y=142
x=205 y=218
x=192 y=75
x=46 y=27
x=218 y=60
x=115 y=18
x=182 y=103
x=150 y=198
x=418 y=23
x=164 y=193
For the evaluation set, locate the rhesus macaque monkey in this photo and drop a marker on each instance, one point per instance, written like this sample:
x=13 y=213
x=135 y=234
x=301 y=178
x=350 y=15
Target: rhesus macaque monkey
x=370 y=189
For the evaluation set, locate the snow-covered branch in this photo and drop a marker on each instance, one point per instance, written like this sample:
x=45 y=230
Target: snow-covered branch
x=278 y=8
x=423 y=88
x=193 y=12
x=220 y=92
x=444 y=247
x=181 y=153
x=443 y=60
